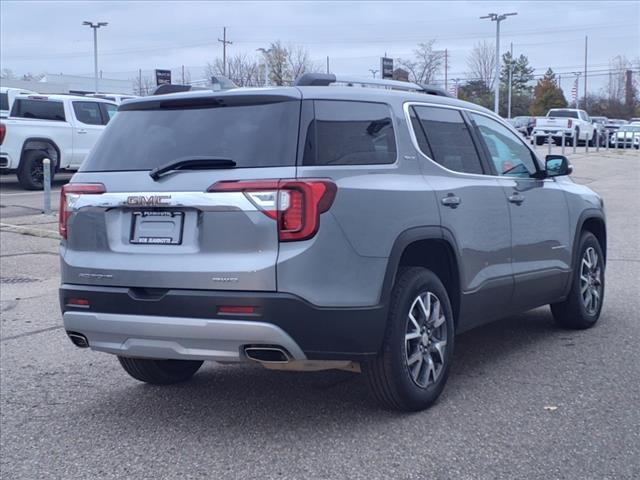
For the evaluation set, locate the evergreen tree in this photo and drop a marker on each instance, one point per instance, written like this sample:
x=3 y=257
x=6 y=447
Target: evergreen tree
x=547 y=95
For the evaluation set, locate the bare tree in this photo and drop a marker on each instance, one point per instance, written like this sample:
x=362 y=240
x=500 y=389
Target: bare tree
x=243 y=70
x=7 y=74
x=482 y=63
x=286 y=63
x=425 y=64
x=143 y=85
x=616 y=87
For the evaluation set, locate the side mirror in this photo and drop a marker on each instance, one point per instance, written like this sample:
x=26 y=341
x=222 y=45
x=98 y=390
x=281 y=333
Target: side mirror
x=557 y=165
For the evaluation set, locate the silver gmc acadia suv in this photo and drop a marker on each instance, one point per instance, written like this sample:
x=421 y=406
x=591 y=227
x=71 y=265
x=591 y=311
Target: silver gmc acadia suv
x=327 y=225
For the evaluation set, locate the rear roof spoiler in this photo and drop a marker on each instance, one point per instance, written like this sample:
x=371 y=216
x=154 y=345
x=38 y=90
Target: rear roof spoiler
x=217 y=83
x=326 y=79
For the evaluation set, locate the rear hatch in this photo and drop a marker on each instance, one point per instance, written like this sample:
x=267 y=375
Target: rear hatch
x=183 y=228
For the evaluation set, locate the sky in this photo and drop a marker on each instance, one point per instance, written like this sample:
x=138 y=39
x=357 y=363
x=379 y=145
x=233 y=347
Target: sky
x=48 y=37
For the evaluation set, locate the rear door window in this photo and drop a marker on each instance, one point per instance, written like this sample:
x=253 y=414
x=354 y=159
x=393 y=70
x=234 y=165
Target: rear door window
x=350 y=133
x=88 y=112
x=40 y=109
x=4 y=101
x=444 y=137
x=251 y=134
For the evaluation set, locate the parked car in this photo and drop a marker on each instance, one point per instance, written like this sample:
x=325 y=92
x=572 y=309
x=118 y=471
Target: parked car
x=116 y=98
x=565 y=124
x=523 y=124
x=634 y=120
x=613 y=124
x=7 y=96
x=627 y=136
x=319 y=226
x=62 y=128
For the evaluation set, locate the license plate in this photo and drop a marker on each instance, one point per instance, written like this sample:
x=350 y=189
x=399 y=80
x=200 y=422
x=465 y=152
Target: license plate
x=156 y=227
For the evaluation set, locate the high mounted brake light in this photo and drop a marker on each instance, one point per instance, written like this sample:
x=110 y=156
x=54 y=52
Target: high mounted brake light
x=68 y=195
x=295 y=204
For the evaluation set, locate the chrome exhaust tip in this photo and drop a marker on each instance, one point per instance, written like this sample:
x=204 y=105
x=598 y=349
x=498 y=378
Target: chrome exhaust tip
x=78 y=339
x=267 y=354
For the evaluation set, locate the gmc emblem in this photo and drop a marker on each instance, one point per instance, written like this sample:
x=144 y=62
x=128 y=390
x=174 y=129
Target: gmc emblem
x=150 y=201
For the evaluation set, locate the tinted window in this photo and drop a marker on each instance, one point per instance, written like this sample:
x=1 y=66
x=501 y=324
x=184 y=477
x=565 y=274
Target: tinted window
x=108 y=111
x=252 y=135
x=41 y=109
x=562 y=114
x=350 y=133
x=4 y=101
x=509 y=155
x=88 y=112
x=448 y=139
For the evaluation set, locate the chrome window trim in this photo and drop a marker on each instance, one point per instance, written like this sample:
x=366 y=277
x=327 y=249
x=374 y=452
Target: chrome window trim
x=407 y=105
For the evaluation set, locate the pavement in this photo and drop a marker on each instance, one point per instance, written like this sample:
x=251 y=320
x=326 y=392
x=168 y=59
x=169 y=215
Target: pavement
x=525 y=399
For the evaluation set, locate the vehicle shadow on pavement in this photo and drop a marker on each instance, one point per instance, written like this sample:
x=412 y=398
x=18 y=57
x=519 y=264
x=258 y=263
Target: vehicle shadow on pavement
x=243 y=399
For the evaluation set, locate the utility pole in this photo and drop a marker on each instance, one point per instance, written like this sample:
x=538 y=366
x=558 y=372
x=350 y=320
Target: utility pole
x=446 y=68
x=494 y=17
x=140 y=81
x=182 y=74
x=373 y=72
x=95 y=27
x=224 y=42
x=510 y=86
x=327 y=64
x=585 y=72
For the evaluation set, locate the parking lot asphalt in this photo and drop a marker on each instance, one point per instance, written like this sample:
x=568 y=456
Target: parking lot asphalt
x=525 y=399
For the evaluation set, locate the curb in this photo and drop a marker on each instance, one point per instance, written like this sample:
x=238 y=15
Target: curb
x=34 y=232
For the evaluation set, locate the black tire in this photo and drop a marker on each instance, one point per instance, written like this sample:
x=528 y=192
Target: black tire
x=540 y=140
x=30 y=172
x=592 y=142
x=558 y=141
x=573 y=313
x=160 y=372
x=390 y=379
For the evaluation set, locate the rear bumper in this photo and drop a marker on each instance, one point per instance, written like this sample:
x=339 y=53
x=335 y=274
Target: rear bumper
x=185 y=324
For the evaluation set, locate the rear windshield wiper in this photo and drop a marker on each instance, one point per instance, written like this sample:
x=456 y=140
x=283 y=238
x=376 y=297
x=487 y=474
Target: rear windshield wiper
x=192 y=163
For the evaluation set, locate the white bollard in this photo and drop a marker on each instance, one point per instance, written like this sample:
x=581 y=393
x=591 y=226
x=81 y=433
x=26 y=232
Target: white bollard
x=46 y=183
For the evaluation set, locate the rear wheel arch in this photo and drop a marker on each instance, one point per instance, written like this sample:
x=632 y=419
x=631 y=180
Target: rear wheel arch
x=43 y=144
x=433 y=248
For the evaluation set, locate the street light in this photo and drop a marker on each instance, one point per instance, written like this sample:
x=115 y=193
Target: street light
x=373 y=72
x=497 y=18
x=95 y=27
x=267 y=72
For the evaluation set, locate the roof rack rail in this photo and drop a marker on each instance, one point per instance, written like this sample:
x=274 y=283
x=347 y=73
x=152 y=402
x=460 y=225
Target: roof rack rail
x=326 y=79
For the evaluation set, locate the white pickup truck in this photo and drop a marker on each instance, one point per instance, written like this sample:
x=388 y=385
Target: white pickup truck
x=565 y=124
x=62 y=128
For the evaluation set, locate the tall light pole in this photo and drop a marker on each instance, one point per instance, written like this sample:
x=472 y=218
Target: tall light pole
x=267 y=71
x=497 y=18
x=95 y=27
x=373 y=72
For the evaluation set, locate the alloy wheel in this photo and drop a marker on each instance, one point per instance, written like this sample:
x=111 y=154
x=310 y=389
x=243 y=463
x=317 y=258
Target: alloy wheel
x=591 y=281
x=425 y=339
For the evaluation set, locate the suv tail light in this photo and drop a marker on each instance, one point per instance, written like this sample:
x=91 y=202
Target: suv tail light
x=570 y=123
x=69 y=195
x=295 y=204
x=3 y=132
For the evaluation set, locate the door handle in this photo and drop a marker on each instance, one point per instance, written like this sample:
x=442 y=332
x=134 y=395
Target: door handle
x=516 y=198
x=451 y=200
x=81 y=131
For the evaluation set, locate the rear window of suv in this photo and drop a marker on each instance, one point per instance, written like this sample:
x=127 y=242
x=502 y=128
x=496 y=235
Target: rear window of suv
x=4 y=101
x=252 y=135
x=350 y=133
x=39 y=109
